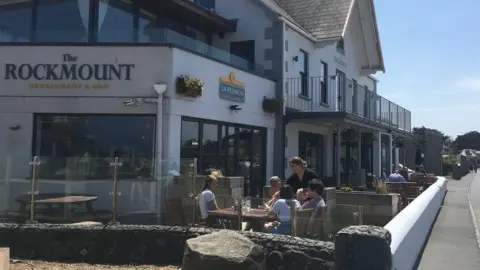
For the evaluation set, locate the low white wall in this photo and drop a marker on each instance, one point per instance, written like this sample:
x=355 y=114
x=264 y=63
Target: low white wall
x=411 y=227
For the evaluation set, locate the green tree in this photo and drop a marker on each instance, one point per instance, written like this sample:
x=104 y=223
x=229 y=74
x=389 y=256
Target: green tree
x=469 y=140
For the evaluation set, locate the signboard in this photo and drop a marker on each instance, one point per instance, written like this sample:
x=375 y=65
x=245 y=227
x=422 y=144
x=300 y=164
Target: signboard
x=68 y=74
x=231 y=89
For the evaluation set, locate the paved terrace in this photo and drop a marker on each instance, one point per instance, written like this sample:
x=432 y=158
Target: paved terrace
x=453 y=241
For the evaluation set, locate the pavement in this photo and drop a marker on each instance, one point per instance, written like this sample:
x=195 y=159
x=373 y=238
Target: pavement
x=453 y=242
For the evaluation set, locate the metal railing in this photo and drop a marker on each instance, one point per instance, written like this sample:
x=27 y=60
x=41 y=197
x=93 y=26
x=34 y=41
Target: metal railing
x=340 y=94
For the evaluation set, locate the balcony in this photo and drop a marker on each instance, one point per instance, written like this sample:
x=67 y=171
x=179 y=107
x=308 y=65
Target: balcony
x=311 y=95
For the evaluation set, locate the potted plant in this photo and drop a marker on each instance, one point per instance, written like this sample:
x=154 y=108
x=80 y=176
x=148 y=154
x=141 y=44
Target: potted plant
x=346 y=189
x=189 y=87
x=349 y=134
x=399 y=142
x=271 y=105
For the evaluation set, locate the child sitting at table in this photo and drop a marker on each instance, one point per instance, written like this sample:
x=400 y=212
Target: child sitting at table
x=281 y=210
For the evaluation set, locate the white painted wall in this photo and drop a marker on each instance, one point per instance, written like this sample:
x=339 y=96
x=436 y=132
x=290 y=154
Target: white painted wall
x=411 y=227
x=210 y=106
x=252 y=22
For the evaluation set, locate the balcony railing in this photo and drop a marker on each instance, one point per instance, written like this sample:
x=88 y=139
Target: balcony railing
x=340 y=94
x=153 y=36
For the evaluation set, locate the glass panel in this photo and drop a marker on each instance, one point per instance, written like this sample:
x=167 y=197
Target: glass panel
x=210 y=147
x=74 y=21
x=100 y=136
x=244 y=157
x=15 y=20
x=146 y=28
x=257 y=171
x=115 y=21
x=189 y=148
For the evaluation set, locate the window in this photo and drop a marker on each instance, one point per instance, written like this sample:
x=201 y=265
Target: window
x=82 y=146
x=341 y=88
x=62 y=21
x=15 y=20
x=116 y=21
x=148 y=28
x=245 y=50
x=341 y=46
x=208 y=4
x=303 y=69
x=236 y=150
x=324 y=82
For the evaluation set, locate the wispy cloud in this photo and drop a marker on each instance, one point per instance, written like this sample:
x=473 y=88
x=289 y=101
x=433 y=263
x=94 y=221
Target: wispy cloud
x=466 y=85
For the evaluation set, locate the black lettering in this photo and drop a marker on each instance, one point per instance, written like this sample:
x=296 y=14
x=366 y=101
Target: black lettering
x=69 y=72
x=25 y=68
x=103 y=69
x=85 y=69
x=116 y=70
x=10 y=72
x=128 y=72
x=51 y=75
x=36 y=73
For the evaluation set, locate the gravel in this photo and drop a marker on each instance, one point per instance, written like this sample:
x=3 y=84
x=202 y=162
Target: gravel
x=41 y=265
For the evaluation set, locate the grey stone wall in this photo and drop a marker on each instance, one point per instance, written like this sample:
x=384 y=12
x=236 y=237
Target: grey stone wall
x=125 y=244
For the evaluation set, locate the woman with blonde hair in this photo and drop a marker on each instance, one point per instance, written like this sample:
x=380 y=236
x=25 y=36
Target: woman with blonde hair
x=301 y=175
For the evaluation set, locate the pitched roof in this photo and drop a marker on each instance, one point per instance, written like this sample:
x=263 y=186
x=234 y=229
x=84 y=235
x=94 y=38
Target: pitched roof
x=323 y=19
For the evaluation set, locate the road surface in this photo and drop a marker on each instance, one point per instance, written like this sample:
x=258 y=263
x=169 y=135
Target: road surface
x=452 y=243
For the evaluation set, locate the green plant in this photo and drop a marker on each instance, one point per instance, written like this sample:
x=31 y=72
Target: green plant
x=271 y=105
x=189 y=87
x=346 y=189
x=381 y=188
x=349 y=135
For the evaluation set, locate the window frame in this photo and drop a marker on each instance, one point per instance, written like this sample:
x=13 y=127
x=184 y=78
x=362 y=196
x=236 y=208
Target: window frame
x=304 y=74
x=324 y=82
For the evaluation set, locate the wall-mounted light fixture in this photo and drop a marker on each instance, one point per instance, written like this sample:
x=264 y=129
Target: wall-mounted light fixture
x=295 y=58
x=14 y=127
x=235 y=108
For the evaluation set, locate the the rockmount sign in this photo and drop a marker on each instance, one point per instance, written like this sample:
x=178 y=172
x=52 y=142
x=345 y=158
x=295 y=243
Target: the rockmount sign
x=72 y=74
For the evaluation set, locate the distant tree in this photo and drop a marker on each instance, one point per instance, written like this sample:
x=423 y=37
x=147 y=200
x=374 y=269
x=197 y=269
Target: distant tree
x=469 y=140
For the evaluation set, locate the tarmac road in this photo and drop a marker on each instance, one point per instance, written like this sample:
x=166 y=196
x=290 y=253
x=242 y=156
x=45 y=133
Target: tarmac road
x=452 y=243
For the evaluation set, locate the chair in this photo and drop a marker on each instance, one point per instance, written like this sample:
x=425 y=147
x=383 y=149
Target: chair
x=316 y=224
x=410 y=192
x=301 y=220
x=397 y=188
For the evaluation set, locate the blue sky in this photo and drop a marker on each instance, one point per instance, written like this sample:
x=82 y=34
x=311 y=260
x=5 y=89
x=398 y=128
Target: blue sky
x=432 y=58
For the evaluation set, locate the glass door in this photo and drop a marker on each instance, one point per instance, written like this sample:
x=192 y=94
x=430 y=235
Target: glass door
x=310 y=149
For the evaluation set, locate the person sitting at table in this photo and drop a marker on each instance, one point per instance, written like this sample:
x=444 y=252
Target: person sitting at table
x=281 y=210
x=314 y=192
x=207 y=198
x=275 y=184
x=301 y=175
x=396 y=177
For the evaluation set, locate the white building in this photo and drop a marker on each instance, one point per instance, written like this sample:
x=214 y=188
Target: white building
x=103 y=84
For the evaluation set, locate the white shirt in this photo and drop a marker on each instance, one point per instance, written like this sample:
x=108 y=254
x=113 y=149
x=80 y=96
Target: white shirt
x=320 y=203
x=206 y=196
x=282 y=209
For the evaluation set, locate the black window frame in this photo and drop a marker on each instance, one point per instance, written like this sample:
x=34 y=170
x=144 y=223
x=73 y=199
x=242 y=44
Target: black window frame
x=304 y=74
x=324 y=83
x=341 y=46
x=221 y=126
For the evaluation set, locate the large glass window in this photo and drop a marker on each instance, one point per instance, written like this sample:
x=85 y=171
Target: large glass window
x=63 y=139
x=235 y=150
x=116 y=21
x=189 y=144
x=15 y=20
x=62 y=20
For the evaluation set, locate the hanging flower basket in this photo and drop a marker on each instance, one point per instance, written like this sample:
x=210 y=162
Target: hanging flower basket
x=271 y=105
x=368 y=138
x=399 y=142
x=189 y=87
x=349 y=135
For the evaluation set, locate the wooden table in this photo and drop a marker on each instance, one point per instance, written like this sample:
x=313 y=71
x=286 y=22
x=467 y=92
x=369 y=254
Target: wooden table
x=60 y=207
x=256 y=217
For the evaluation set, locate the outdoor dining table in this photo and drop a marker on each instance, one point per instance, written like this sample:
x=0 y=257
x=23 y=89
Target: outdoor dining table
x=256 y=217
x=61 y=207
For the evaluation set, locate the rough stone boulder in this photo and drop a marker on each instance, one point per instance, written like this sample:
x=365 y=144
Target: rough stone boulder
x=223 y=250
